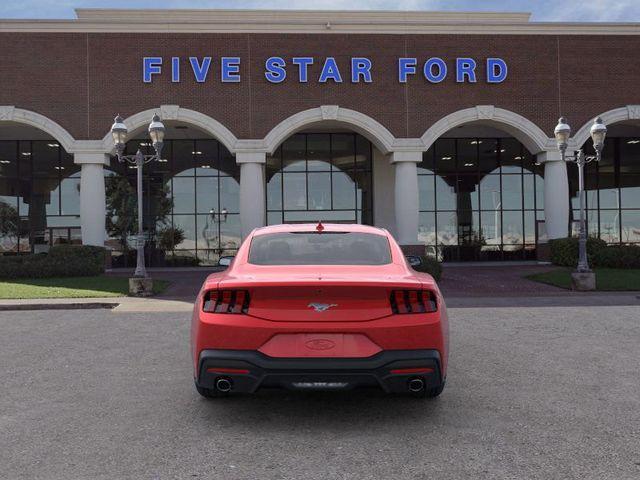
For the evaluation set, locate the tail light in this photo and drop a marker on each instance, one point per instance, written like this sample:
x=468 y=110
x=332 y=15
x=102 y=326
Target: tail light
x=413 y=301
x=226 y=301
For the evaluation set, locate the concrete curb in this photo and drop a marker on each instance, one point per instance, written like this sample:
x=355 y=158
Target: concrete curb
x=57 y=306
x=115 y=304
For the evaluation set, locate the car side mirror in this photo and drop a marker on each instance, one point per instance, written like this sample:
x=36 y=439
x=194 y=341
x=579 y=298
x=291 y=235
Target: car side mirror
x=225 y=261
x=414 y=260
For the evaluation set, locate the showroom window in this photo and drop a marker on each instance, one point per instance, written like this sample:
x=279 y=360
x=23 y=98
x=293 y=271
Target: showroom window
x=480 y=199
x=320 y=177
x=39 y=196
x=191 y=203
x=612 y=192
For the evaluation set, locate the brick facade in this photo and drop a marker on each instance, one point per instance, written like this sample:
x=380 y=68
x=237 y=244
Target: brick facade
x=80 y=80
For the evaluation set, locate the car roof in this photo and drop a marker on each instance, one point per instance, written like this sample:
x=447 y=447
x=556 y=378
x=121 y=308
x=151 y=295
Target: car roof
x=327 y=227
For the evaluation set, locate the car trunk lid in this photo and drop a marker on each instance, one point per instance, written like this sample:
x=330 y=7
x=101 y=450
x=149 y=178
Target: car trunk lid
x=330 y=295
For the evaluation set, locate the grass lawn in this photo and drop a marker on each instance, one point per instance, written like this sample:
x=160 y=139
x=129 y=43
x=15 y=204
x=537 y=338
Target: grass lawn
x=71 y=287
x=607 y=279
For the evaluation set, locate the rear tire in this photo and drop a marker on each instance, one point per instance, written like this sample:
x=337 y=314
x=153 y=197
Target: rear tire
x=209 y=392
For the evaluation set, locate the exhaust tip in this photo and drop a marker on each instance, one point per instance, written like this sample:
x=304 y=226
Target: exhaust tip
x=416 y=385
x=223 y=385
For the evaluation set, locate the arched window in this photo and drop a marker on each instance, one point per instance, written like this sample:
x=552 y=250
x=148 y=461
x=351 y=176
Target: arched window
x=194 y=190
x=612 y=188
x=320 y=176
x=39 y=196
x=480 y=199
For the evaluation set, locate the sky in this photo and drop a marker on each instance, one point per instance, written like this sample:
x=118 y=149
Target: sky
x=542 y=10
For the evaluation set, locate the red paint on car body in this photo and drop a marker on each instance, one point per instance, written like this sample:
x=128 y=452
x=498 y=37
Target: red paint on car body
x=300 y=345
x=347 y=305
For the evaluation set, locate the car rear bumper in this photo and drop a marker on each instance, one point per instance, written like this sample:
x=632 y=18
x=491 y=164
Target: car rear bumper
x=249 y=370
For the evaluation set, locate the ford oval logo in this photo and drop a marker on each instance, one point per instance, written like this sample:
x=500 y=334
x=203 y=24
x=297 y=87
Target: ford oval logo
x=320 y=344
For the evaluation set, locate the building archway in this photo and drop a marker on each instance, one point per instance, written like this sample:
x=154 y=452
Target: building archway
x=481 y=192
x=10 y=114
x=138 y=122
x=323 y=163
x=617 y=115
x=327 y=116
x=521 y=128
x=39 y=184
x=612 y=185
x=193 y=190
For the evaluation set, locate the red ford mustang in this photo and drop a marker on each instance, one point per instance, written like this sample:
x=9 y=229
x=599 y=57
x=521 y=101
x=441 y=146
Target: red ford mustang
x=319 y=307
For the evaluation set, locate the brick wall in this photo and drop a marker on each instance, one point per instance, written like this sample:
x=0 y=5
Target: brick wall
x=82 y=80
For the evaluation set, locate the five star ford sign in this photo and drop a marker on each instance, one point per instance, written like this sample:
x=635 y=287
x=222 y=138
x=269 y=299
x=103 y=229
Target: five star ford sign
x=361 y=69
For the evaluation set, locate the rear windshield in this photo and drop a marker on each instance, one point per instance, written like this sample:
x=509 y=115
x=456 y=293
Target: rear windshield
x=327 y=248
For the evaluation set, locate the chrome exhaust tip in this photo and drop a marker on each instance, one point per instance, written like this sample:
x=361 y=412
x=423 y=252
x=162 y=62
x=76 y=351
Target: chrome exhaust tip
x=416 y=385
x=223 y=385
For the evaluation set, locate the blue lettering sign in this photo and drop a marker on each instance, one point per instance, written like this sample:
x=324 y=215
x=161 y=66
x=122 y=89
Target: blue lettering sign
x=428 y=70
x=330 y=71
x=200 y=71
x=275 y=69
x=175 y=69
x=496 y=70
x=303 y=67
x=151 y=66
x=230 y=70
x=406 y=66
x=434 y=69
x=360 y=67
x=465 y=67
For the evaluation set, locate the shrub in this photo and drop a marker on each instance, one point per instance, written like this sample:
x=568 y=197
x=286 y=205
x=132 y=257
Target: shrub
x=431 y=266
x=61 y=261
x=618 y=256
x=181 y=261
x=564 y=251
x=169 y=237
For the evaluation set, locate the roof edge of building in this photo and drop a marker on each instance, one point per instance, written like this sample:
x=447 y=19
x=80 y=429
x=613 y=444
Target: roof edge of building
x=301 y=16
x=311 y=22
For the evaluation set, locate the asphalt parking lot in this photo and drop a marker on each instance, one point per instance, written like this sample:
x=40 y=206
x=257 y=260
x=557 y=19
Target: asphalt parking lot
x=536 y=393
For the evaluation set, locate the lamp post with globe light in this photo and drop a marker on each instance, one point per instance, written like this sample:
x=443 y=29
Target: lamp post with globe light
x=583 y=278
x=141 y=284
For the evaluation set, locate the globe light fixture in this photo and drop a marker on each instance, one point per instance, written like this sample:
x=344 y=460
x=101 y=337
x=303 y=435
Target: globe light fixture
x=119 y=133
x=562 y=133
x=598 y=134
x=156 y=132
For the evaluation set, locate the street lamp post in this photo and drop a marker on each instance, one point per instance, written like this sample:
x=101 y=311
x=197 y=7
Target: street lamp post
x=598 y=133
x=119 y=133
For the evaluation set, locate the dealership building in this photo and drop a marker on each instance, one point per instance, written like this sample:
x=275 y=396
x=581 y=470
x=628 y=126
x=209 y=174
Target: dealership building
x=436 y=126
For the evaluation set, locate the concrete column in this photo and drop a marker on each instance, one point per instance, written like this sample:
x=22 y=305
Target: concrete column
x=252 y=191
x=556 y=194
x=92 y=197
x=384 y=214
x=406 y=199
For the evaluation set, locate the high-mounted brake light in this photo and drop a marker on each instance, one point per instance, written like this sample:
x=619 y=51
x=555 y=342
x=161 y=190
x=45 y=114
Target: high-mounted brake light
x=226 y=301
x=319 y=227
x=413 y=301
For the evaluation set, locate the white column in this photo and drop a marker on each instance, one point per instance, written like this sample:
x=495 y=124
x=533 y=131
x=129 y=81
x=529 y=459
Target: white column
x=252 y=190
x=406 y=196
x=92 y=197
x=384 y=213
x=556 y=194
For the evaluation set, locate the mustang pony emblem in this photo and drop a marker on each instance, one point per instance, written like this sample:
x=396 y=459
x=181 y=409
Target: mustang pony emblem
x=322 y=307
